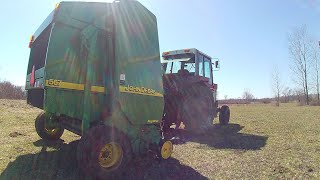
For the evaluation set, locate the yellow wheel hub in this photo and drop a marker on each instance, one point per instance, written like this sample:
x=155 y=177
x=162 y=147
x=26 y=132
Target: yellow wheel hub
x=51 y=131
x=166 y=149
x=110 y=155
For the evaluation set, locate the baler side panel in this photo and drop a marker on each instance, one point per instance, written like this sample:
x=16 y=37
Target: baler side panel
x=78 y=59
x=138 y=58
x=97 y=49
x=64 y=66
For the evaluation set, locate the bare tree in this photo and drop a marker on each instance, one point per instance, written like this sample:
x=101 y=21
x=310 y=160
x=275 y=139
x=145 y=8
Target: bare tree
x=316 y=71
x=276 y=84
x=299 y=96
x=247 y=96
x=300 y=49
x=225 y=97
x=287 y=93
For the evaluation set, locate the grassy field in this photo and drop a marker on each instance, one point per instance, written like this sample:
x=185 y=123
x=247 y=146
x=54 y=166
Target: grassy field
x=262 y=142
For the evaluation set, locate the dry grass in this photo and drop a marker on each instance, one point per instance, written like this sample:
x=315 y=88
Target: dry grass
x=273 y=142
x=262 y=142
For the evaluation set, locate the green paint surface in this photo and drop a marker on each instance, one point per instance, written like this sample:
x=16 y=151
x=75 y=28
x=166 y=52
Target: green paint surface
x=93 y=44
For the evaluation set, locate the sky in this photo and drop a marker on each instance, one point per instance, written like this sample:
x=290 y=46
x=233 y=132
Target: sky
x=249 y=37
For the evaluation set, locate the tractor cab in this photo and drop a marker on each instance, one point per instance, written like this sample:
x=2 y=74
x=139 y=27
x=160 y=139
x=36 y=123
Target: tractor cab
x=189 y=62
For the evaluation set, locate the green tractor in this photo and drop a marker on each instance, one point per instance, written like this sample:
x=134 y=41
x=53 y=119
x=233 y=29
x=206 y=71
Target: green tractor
x=190 y=94
x=95 y=70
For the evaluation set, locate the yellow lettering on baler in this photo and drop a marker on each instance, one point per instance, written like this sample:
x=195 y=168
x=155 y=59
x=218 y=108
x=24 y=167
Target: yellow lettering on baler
x=153 y=121
x=139 y=90
x=98 y=89
x=64 y=85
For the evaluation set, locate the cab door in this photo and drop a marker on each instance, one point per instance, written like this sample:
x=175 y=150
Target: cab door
x=207 y=69
x=204 y=67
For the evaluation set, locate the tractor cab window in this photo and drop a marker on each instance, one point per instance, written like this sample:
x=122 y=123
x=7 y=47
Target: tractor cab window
x=185 y=63
x=201 y=71
x=204 y=66
x=176 y=67
x=189 y=66
x=207 y=67
x=173 y=67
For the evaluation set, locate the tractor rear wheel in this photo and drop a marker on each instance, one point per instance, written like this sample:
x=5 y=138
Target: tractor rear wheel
x=104 y=152
x=45 y=132
x=224 y=116
x=196 y=110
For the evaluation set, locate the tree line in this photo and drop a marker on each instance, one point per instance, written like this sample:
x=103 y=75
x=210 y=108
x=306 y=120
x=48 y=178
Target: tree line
x=11 y=91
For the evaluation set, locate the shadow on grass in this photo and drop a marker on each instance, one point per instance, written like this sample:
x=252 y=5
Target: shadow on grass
x=60 y=163
x=225 y=137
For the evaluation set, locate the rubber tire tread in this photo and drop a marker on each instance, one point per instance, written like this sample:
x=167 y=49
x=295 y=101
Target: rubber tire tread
x=40 y=129
x=198 y=127
x=90 y=145
x=224 y=116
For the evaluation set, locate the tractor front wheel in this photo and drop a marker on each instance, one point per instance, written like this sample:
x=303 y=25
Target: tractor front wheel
x=224 y=116
x=47 y=132
x=104 y=152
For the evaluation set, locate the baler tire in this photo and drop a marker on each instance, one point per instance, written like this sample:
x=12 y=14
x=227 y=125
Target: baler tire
x=224 y=116
x=90 y=147
x=43 y=132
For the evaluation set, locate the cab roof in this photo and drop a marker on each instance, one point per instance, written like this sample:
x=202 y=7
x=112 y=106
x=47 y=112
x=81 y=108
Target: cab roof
x=184 y=51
